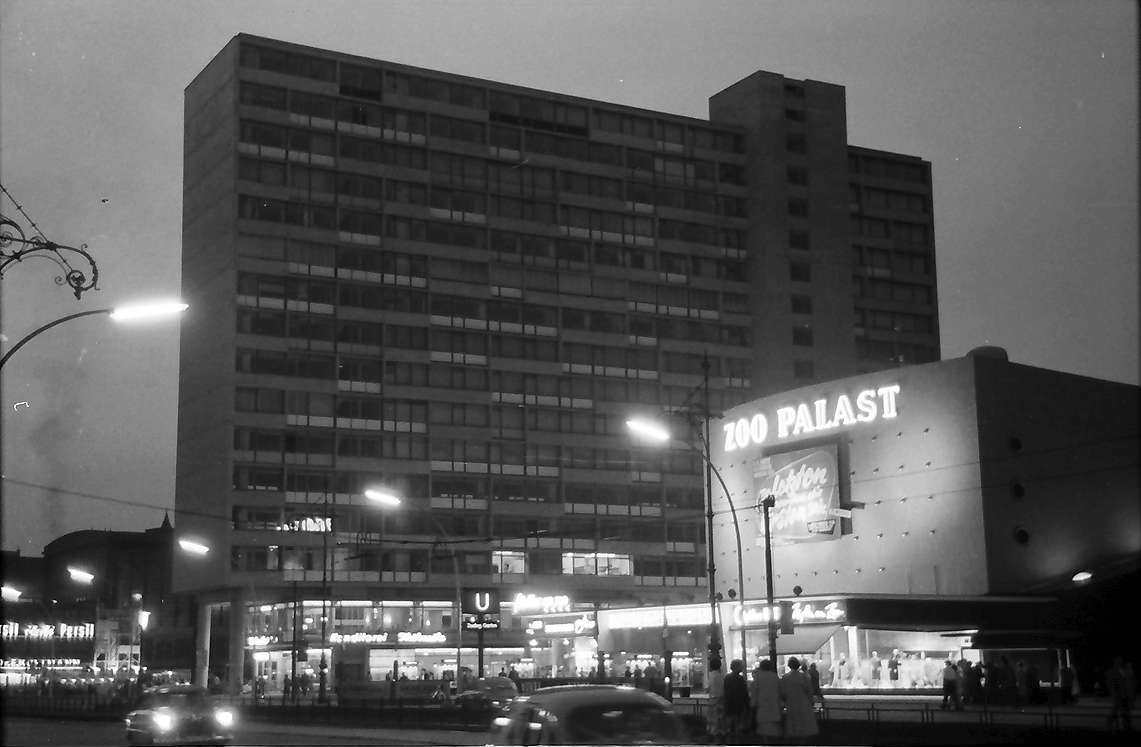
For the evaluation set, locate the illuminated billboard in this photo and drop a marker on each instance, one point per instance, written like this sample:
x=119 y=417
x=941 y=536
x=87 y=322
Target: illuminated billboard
x=806 y=487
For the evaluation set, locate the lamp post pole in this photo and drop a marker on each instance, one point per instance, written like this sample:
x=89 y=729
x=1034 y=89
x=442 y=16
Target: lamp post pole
x=458 y=616
x=766 y=505
x=323 y=667
x=710 y=563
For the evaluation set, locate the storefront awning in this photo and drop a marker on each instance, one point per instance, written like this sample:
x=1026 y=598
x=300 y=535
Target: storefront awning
x=808 y=639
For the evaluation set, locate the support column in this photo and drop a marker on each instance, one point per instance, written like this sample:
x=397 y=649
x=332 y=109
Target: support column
x=237 y=638
x=201 y=643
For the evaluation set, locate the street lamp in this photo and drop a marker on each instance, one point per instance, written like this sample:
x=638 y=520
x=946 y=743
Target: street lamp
x=653 y=431
x=380 y=497
x=193 y=547
x=129 y=313
x=766 y=505
x=143 y=618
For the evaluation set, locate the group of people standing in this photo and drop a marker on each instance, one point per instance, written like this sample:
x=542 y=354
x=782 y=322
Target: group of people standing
x=770 y=708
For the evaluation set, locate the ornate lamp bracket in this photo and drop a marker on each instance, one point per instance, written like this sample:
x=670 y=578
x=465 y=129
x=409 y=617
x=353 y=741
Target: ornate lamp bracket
x=16 y=246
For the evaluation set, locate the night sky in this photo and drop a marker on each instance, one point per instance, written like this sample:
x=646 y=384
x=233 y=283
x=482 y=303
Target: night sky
x=1026 y=110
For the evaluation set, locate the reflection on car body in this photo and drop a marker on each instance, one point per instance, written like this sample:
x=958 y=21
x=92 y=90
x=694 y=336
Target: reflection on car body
x=487 y=694
x=589 y=714
x=179 y=714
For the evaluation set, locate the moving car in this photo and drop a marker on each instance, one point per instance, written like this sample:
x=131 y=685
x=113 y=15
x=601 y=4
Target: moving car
x=487 y=695
x=179 y=714
x=589 y=714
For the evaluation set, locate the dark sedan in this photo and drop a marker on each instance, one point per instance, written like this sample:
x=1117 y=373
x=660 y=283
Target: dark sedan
x=487 y=695
x=179 y=714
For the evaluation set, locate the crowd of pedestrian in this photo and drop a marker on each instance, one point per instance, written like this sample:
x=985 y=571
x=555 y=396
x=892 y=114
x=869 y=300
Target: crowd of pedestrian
x=771 y=708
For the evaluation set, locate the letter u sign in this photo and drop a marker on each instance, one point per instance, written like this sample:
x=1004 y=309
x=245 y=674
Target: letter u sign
x=483 y=601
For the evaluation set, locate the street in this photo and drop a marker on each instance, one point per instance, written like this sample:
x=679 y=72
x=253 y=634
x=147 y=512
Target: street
x=32 y=732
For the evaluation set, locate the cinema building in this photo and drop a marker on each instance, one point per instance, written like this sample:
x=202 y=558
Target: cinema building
x=927 y=512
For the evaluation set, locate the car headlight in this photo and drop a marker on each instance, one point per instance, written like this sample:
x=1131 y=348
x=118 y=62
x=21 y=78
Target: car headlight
x=164 y=721
x=224 y=717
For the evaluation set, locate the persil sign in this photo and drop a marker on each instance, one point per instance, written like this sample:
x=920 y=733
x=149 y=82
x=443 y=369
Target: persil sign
x=826 y=414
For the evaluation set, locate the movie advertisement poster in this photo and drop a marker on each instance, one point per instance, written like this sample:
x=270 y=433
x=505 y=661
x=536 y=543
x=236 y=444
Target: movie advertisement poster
x=806 y=487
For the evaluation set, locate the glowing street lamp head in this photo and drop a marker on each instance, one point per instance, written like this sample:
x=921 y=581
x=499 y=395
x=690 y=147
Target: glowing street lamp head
x=648 y=430
x=1082 y=577
x=147 y=311
x=192 y=547
x=144 y=619
x=11 y=593
x=80 y=575
x=383 y=497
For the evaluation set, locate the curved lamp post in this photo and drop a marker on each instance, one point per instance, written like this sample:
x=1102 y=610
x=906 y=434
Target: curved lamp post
x=655 y=432
x=380 y=497
x=130 y=313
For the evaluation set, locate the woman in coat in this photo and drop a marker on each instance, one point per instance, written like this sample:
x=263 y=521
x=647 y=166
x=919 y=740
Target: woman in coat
x=796 y=694
x=767 y=702
x=715 y=720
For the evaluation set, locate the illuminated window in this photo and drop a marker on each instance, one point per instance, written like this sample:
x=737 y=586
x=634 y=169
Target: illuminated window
x=508 y=561
x=597 y=564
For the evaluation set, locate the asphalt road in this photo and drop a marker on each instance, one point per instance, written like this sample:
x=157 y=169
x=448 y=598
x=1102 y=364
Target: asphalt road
x=37 y=732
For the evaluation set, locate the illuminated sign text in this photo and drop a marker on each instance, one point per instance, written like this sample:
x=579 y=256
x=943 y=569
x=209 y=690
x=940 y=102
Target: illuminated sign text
x=532 y=603
x=870 y=405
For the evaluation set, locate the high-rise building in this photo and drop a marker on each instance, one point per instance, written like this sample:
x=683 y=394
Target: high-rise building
x=457 y=291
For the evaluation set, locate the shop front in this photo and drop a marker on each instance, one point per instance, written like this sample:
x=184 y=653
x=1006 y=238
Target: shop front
x=48 y=655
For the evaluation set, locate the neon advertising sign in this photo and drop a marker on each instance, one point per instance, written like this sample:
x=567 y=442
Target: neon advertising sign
x=823 y=415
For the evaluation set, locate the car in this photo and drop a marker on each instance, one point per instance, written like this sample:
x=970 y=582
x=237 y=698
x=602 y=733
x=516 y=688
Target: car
x=487 y=695
x=589 y=714
x=179 y=714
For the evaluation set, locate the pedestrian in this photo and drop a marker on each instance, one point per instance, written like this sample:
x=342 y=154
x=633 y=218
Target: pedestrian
x=627 y=675
x=638 y=677
x=514 y=677
x=893 y=668
x=796 y=695
x=1121 y=689
x=766 y=703
x=814 y=678
x=951 y=679
x=715 y=720
x=875 y=662
x=738 y=713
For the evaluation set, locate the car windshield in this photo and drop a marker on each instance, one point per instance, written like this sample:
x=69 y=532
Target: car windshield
x=497 y=687
x=634 y=723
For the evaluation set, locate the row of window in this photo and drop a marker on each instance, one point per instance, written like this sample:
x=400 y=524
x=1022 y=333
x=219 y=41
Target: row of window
x=408 y=127
x=276 y=557
x=904 y=262
x=322 y=518
x=888 y=290
x=371 y=83
x=909 y=233
x=883 y=199
x=895 y=321
x=273 y=445
x=300 y=479
x=504 y=180
x=649 y=299
x=616 y=227
x=303 y=364
x=885 y=168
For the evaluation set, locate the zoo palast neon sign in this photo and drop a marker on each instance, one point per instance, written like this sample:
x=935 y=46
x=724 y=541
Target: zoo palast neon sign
x=823 y=415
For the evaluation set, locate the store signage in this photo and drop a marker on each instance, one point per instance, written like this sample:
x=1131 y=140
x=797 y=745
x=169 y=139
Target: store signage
x=45 y=631
x=656 y=617
x=475 y=622
x=406 y=637
x=802 y=612
x=821 y=415
x=258 y=641
x=343 y=638
x=39 y=663
x=480 y=602
x=805 y=486
x=531 y=603
x=577 y=627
